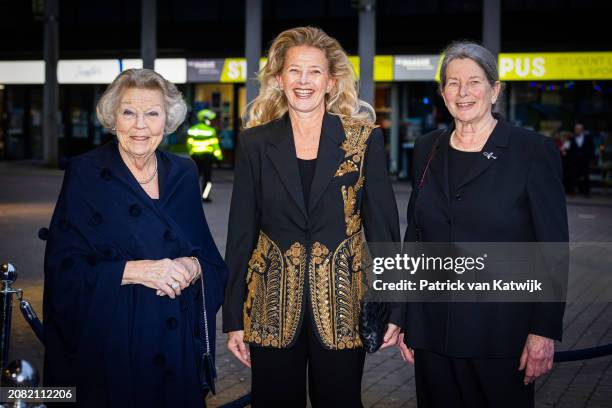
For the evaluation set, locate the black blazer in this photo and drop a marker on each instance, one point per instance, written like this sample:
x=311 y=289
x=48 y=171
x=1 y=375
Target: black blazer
x=517 y=197
x=282 y=252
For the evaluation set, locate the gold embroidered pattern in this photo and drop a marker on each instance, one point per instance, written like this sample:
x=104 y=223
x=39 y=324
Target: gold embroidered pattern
x=336 y=292
x=345 y=168
x=295 y=259
x=354 y=146
x=357 y=133
x=321 y=294
x=351 y=217
x=272 y=308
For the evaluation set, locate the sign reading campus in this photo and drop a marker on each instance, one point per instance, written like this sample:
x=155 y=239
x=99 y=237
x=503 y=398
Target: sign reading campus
x=555 y=66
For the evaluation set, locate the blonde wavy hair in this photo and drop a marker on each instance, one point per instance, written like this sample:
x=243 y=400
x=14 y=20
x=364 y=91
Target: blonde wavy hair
x=342 y=100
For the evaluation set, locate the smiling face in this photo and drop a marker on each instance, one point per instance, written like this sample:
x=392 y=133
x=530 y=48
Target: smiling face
x=468 y=95
x=305 y=79
x=140 y=121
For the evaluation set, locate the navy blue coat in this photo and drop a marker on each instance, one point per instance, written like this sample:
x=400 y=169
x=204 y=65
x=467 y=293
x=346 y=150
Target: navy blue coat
x=124 y=346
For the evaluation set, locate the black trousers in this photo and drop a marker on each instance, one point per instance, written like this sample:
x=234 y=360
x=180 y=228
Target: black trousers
x=279 y=375
x=205 y=163
x=579 y=176
x=444 y=382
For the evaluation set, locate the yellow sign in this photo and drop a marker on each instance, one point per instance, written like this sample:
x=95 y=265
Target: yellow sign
x=383 y=67
x=355 y=61
x=555 y=66
x=234 y=70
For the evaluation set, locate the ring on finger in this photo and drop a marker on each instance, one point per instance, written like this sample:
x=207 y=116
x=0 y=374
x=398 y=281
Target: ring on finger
x=174 y=285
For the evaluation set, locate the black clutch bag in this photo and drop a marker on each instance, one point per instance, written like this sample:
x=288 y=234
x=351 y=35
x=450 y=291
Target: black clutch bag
x=373 y=322
x=206 y=364
x=207 y=373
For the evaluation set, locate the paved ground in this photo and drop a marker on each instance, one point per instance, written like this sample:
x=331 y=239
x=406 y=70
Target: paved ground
x=27 y=197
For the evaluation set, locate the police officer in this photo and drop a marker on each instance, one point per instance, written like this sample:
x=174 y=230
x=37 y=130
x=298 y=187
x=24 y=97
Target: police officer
x=204 y=149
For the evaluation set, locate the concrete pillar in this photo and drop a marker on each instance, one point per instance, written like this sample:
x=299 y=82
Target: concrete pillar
x=148 y=33
x=51 y=87
x=491 y=25
x=367 y=49
x=252 y=46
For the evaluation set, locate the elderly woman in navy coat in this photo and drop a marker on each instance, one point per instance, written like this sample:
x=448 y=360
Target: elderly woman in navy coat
x=127 y=245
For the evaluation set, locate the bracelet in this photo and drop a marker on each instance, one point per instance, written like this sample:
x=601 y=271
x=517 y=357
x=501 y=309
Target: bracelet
x=197 y=261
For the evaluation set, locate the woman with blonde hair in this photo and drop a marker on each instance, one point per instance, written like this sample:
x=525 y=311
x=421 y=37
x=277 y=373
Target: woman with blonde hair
x=310 y=186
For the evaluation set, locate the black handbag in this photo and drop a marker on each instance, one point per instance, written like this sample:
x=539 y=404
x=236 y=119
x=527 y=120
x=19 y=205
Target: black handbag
x=206 y=364
x=373 y=316
x=373 y=321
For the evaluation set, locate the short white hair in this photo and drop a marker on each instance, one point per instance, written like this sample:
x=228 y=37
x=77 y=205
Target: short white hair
x=174 y=104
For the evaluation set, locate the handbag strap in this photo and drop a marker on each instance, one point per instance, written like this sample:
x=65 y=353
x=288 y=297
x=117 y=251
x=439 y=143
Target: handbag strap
x=205 y=318
x=419 y=185
x=430 y=158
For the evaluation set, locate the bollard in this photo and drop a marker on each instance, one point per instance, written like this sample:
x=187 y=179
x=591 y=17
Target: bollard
x=9 y=275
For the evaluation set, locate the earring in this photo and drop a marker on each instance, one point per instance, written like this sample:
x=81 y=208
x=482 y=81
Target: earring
x=114 y=129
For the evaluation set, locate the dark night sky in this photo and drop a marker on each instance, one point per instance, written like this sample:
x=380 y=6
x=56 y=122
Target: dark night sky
x=215 y=28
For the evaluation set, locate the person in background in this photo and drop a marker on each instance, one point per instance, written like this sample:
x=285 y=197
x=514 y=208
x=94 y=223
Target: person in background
x=580 y=154
x=204 y=149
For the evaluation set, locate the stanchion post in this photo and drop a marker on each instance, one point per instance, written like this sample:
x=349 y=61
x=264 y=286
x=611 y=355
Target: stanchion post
x=9 y=275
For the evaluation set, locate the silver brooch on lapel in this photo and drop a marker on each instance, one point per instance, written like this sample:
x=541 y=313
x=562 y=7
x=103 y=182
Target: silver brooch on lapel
x=489 y=156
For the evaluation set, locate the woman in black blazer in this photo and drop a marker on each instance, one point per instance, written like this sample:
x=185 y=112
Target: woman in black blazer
x=310 y=185
x=482 y=180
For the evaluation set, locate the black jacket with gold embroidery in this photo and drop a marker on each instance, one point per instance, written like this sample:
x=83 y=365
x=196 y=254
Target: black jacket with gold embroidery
x=282 y=252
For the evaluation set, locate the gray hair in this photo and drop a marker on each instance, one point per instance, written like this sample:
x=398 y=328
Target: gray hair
x=477 y=53
x=174 y=105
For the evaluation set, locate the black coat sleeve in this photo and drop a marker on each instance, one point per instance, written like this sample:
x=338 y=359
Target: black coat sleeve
x=549 y=216
x=243 y=229
x=379 y=209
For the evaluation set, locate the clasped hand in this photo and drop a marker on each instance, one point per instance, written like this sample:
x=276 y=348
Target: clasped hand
x=167 y=276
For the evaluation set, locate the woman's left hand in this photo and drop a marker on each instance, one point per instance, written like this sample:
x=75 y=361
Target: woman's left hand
x=391 y=336
x=192 y=266
x=537 y=357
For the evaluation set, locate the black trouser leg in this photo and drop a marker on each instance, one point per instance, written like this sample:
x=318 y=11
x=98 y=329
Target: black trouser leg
x=204 y=163
x=206 y=171
x=278 y=376
x=443 y=381
x=585 y=182
x=334 y=376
